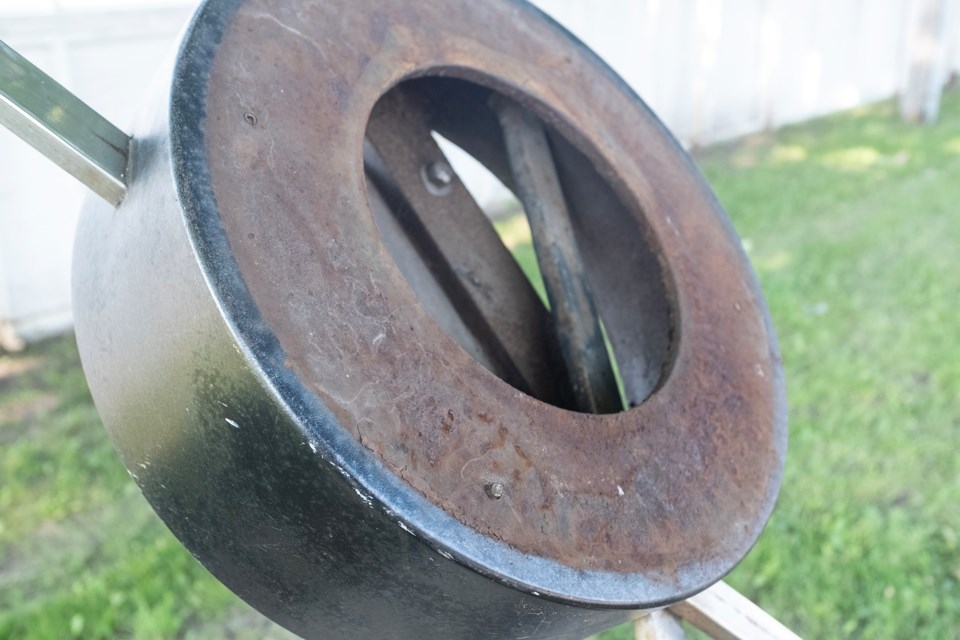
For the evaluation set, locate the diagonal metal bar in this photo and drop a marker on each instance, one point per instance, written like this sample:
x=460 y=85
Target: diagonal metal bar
x=394 y=220
x=571 y=302
x=62 y=127
x=468 y=120
x=459 y=245
x=599 y=218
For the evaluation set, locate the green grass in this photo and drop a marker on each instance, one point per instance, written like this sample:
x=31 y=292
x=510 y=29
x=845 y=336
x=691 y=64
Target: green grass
x=81 y=553
x=852 y=225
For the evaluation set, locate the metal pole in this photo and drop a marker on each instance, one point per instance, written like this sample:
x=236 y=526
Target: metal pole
x=62 y=127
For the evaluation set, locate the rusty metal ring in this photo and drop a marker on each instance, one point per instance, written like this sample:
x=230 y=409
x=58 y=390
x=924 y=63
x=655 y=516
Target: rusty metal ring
x=338 y=379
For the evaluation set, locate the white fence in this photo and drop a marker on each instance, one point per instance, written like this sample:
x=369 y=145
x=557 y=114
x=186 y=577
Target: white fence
x=711 y=69
x=107 y=59
x=715 y=69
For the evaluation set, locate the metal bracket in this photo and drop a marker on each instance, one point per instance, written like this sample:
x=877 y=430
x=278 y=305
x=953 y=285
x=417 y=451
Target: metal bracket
x=62 y=127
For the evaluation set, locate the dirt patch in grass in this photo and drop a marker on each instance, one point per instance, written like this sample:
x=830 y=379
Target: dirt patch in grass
x=28 y=409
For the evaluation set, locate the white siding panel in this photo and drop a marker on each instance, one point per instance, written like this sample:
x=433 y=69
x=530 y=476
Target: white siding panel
x=710 y=69
x=107 y=60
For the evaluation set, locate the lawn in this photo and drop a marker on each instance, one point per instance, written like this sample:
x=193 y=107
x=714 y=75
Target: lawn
x=852 y=226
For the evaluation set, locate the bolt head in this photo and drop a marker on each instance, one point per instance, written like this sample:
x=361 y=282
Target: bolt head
x=494 y=490
x=437 y=177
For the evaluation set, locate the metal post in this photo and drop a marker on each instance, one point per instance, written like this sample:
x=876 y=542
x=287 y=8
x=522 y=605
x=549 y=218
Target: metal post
x=62 y=127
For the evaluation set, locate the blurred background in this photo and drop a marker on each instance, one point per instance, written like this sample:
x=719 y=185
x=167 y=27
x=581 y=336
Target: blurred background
x=831 y=133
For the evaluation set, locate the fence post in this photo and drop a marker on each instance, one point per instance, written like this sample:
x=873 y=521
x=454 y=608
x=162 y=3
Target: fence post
x=926 y=75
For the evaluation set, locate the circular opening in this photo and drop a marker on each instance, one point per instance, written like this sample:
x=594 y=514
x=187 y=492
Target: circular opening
x=519 y=243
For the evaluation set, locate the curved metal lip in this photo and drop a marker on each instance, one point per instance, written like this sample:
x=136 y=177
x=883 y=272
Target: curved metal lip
x=411 y=511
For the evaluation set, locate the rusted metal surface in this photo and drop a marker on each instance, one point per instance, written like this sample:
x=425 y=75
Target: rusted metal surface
x=571 y=302
x=333 y=436
x=673 y=491
x=601 y=221
x=453 y=236
x=424 y=281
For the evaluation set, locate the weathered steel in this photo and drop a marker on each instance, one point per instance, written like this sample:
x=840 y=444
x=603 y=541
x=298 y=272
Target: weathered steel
x=422 y=279
x=700 y=450
x=318 y=439
x=614 y=241
x=626 y=270
x=454 y=237
x=571 y=302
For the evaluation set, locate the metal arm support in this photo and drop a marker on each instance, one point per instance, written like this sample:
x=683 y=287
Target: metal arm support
x=62 y=127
